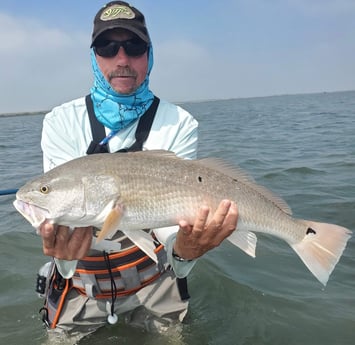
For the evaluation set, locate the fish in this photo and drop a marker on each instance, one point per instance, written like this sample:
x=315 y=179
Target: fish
x=156 y=189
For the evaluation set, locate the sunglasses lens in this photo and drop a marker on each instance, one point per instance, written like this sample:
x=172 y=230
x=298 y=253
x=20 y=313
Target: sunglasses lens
x=132 y=47
x=107 y=48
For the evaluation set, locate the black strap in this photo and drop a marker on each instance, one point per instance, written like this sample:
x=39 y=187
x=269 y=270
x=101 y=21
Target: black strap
x=144 y=126
x=182 y=287
x=98 y=129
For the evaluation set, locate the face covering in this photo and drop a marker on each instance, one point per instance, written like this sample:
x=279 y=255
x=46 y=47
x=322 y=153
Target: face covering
x=116 y=111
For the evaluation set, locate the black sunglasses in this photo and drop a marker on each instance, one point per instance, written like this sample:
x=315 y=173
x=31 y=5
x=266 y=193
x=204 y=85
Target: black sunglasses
x=110 y=48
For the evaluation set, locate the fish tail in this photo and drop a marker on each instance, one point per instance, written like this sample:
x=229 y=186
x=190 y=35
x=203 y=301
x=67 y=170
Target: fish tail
x=322 y=248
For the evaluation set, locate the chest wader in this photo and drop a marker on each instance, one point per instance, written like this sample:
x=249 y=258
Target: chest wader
x=110 y=275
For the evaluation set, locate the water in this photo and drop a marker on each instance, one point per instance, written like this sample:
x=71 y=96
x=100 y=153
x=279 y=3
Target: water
x=303 y=148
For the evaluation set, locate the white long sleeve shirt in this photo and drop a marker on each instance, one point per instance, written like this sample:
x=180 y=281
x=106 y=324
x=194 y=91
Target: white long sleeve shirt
x=67 y=135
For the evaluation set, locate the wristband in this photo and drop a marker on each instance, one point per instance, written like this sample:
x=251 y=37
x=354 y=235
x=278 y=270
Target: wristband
x=179 y=258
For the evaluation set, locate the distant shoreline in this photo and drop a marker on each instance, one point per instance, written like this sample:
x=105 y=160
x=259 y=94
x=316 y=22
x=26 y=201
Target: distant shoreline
x=25 y=113
x=43 y=112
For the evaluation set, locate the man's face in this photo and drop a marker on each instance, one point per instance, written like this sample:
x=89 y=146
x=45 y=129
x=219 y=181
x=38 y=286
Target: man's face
x=124 y=73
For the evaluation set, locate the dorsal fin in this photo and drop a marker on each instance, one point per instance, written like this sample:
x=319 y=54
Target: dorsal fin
x=161 y=153
x=241 y=176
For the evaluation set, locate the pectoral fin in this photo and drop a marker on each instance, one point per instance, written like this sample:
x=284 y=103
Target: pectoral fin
x=142 y=240
x=111 y=223
x=245 y=240
x=66 y=268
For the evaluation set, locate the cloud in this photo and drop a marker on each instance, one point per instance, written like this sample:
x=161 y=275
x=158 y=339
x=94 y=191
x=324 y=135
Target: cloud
x=187 y=71
x=180 y=68
x=273 y=47
x=40 y=66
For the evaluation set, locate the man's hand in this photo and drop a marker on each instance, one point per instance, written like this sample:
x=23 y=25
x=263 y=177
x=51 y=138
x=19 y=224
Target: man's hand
x=61 y=243
x=194 y=241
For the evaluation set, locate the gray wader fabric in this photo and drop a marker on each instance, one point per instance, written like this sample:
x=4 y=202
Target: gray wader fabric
x=155 y=307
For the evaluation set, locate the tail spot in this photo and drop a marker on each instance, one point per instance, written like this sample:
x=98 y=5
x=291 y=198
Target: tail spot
x=310 y=231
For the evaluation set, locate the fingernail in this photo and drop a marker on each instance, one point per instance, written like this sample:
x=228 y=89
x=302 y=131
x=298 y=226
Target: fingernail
x=226 y=202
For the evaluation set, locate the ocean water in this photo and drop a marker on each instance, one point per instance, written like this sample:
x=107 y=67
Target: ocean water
x=302 y=147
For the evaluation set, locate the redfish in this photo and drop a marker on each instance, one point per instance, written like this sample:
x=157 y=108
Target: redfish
x=155 y=189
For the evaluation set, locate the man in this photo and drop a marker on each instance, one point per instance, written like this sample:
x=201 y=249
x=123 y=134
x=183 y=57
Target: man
x=108 y=281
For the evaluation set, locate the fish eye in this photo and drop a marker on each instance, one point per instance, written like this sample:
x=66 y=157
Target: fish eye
x=44 y=189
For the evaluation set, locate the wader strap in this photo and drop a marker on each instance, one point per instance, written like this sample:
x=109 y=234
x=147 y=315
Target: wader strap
x=182 y=287
x=131 y=278
x=144 y=126
x=93 y=280
x=98 y=129
x=90 y=285
x=57 y=293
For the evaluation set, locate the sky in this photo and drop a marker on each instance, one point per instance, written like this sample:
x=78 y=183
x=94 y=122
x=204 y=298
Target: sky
x=202 y=49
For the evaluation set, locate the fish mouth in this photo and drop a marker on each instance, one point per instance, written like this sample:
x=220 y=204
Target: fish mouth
x=34 y=214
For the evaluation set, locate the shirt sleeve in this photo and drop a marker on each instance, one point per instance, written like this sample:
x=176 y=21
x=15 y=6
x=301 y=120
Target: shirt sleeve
x=174 y=129
x=181 y=268
x=56 y=147
x=185 y=145
x=66 y=268
x=167 y=237
x=64 y=134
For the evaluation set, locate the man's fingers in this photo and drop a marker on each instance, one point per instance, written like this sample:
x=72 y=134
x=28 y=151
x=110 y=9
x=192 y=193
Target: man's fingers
x=224 y=221
x=62 y=235
x=185 y=227
x=63 y=243
x=200 y=221
x=80 y=241
x=221 y=213
x=231 y=219
x=48 y=233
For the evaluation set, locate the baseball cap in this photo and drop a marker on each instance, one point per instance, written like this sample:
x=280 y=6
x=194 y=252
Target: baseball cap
x=120 y=14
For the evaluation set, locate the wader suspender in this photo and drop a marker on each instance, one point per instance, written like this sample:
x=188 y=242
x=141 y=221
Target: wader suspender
x=98 y=130
x=142 y=132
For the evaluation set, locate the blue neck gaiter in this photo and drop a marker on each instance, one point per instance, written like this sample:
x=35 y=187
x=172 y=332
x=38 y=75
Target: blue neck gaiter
x=114 y=110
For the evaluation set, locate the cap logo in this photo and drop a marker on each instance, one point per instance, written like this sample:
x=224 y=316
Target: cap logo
x=117 y=12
